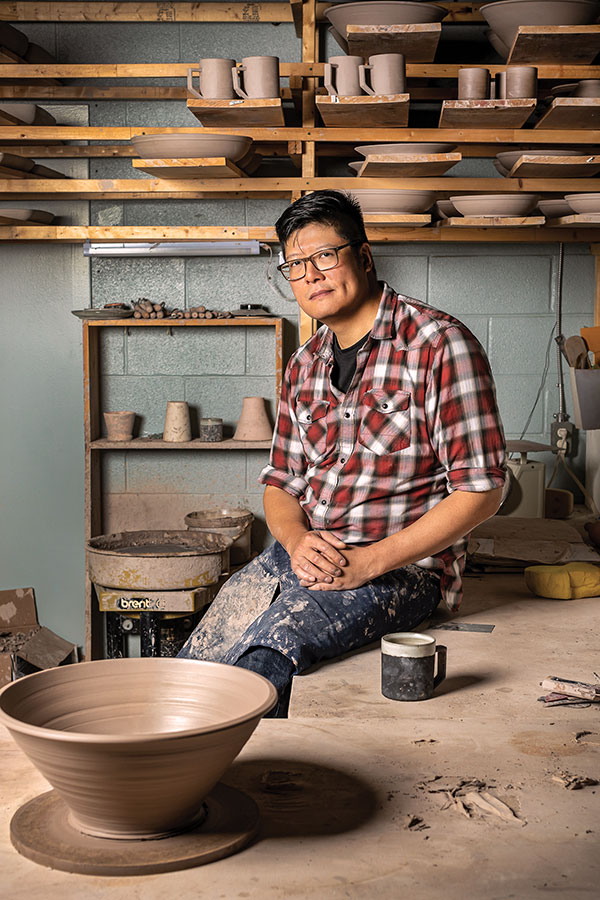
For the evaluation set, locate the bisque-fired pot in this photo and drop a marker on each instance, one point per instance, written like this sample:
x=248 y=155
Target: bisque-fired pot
x=133 y=746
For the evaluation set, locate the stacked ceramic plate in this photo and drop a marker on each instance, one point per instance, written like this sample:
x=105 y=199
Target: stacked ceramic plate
x=505 y=16
x=394 y=201
x=398 y=151
x=187 y=145
x=495 y=204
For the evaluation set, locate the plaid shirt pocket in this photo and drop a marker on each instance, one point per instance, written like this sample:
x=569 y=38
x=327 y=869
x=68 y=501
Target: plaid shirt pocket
x=385 y=425
x=312 y=418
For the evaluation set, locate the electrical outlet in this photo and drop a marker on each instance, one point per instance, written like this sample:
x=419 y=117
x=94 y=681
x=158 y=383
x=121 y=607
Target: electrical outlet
x=564 y=438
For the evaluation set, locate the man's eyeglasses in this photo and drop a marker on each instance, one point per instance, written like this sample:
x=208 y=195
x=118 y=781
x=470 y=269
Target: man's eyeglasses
x=325 y=259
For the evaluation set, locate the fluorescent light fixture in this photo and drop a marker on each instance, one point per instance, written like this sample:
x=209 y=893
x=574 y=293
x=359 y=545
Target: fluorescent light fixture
x=173 y=248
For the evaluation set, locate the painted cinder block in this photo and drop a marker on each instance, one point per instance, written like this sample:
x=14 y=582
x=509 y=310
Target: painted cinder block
x=477 y=325
x=113 y=470
x=238 y=40
x=185 y=472
x=519 y=350
x=114 y=42
x=147 y=396
x=183 y=212
x=112 y=351
x=260 y=351
x=186 y=351
x=405 y=274
x=124 y=279
x=487 y=284
x=222 y=396
x=516 y=395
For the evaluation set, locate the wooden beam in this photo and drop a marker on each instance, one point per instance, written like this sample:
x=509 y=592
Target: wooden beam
x=88 y=11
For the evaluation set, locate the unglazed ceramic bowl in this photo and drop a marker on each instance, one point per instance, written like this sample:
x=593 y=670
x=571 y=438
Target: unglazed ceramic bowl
x=188 y=145
x=404 y=149
x=445 y=209
x=584 y=203
x=552 y=209
x=35 y=216
x=133 y=746
x=505 y=16
x=383 y=12
x=24 y=112
x=508 y=158
x=495 y=204
x=394 y=201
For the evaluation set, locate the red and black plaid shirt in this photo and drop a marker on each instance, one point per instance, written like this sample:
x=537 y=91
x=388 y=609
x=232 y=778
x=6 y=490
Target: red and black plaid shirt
x=418 y=421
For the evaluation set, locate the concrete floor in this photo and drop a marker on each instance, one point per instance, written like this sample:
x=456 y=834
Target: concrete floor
x=339 y=782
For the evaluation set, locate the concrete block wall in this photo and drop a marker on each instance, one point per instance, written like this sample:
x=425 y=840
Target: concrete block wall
x=504 y=293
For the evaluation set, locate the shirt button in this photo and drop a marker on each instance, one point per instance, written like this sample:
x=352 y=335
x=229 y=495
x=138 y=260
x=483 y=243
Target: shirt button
x=383 y=406
x=323 y=502
x=308 y=418
x=343 y=459
x=346 y=415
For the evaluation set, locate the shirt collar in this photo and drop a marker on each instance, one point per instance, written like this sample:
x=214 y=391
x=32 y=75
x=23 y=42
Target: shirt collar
x=383 y=327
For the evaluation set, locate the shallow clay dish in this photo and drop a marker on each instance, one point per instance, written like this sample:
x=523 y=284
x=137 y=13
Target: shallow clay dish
x=584 y=203
x=404 y=149
x=102 y=313
x=187 y=145
x=394 y=201
x=495 y=204
x=32 y=216
x=505 y=16
x=383 y=12
x=133 y=746
x=445 y=209
x=552 y=209
x=356 y=165
x=508 y=158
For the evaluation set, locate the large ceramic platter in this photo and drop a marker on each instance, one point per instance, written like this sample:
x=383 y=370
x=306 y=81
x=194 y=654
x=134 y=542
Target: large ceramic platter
x=187 y=145
x=404 y=149
x=505 y=16
x=102 y=313
x=394 y=201
x=495 y=204
x=383 y=12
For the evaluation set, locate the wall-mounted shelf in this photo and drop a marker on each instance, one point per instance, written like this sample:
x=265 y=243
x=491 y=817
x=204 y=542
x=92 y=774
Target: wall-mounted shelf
x=486 y=113
x=555 y=44
x=160 y=11
x=491 y=222
x=174 y=169
x=238 y=113
x=417 y=43
x=555 y=166
x=389 y=165
x=364 y=111
x=147 y=443
x=572 y=113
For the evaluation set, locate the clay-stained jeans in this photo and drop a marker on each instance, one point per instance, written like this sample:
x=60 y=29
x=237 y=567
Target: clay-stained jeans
x=264 y=605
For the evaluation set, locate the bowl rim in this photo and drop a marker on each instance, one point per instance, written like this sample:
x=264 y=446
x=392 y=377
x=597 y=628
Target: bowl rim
x=221 y=542
x=492 y=196
x=588 y=195
x=89 y=737
x=505 y=2
x=361 y=148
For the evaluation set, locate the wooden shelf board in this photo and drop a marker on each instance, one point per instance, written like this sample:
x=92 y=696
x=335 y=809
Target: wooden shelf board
x=391 y=165
x=175 y=169
x=583 y=219
x=417 y=43
x=491 y=222
x=578 y=44
x=158 y=444
x=256 y=112
x=486 y=113
x=413 y=219
x=555 y=166
x=364 y=111
x=160 y=11
x=572 y=113
x=73 y=234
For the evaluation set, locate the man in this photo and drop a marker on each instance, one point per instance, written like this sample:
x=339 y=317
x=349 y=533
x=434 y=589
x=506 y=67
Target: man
x=388 y=449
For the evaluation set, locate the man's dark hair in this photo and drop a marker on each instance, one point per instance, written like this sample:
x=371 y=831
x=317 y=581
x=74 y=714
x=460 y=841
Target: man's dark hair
x=336 y=208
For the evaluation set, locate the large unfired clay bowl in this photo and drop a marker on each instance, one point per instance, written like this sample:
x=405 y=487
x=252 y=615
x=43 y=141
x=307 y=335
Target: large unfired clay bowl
x=188 y=145
x=508 y=158
x=495 y=204
x=133 y=746
x=404 y=149
x=505 y=16
x=156 y=560
x=393 y=201
x=554 y=208
x=584 y=203
x=383 y=12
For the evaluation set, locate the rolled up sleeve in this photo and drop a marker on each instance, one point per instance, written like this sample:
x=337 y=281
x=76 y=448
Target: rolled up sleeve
x=287 y=463
x=462 y=413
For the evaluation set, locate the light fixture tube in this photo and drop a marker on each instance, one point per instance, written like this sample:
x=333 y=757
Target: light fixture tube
x=172 y=248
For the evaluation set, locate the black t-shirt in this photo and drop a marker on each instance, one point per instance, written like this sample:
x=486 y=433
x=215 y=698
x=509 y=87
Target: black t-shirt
x=344 y=363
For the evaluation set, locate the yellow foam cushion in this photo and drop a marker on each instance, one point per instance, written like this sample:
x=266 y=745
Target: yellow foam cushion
x=568 y=582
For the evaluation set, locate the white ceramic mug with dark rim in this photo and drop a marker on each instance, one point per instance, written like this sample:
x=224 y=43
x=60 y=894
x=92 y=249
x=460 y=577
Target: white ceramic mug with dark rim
x=341 y=76
x=387 y=74
x=215 y=81
x=407 y=665
x=260 y=75
x=521 y=82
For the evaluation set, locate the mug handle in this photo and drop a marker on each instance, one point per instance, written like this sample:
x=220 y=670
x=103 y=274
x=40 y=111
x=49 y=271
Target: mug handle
x=328 y=79
x=441 y=652
x=235 y=71
x=190 y=82
x=362 y=80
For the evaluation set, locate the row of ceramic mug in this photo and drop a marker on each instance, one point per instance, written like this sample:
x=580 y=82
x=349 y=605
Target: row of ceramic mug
x=516 y=82
x=221 y=79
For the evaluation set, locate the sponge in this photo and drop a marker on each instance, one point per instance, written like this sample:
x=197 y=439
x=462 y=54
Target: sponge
x=568 y=582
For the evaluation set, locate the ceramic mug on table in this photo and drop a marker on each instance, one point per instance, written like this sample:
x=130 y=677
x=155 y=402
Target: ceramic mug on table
x=341 y=76
x=388 y=74
x=521 y=82
x=215 y=81
x=260 y=77
x=407 y=665
x=473 y=83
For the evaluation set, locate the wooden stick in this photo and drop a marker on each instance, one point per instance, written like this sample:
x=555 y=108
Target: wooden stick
x=572 y=688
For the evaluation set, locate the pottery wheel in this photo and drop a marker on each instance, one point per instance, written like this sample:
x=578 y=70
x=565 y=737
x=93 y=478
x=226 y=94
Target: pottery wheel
x=40 y=830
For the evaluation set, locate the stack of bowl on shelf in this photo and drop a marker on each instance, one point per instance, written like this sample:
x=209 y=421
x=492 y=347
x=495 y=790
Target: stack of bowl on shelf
x=505 y=16
x=181 y=154
x=380 y=12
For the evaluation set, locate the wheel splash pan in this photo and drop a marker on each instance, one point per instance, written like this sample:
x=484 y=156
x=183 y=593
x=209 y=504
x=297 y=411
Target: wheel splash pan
x=157 y=560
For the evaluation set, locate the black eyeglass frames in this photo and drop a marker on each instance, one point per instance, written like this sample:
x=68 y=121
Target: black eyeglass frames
x=325 y=259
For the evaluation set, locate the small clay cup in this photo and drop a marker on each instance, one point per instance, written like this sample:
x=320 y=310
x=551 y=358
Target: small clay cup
x=177 y=422
x=521 y=82
x=473 y=83
x=215 y=80
x=119 y=425
x=260 y=77
x=341 y=76
x=500 y=85
x=588 y=87
x=387 y=74
x=407 y=666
